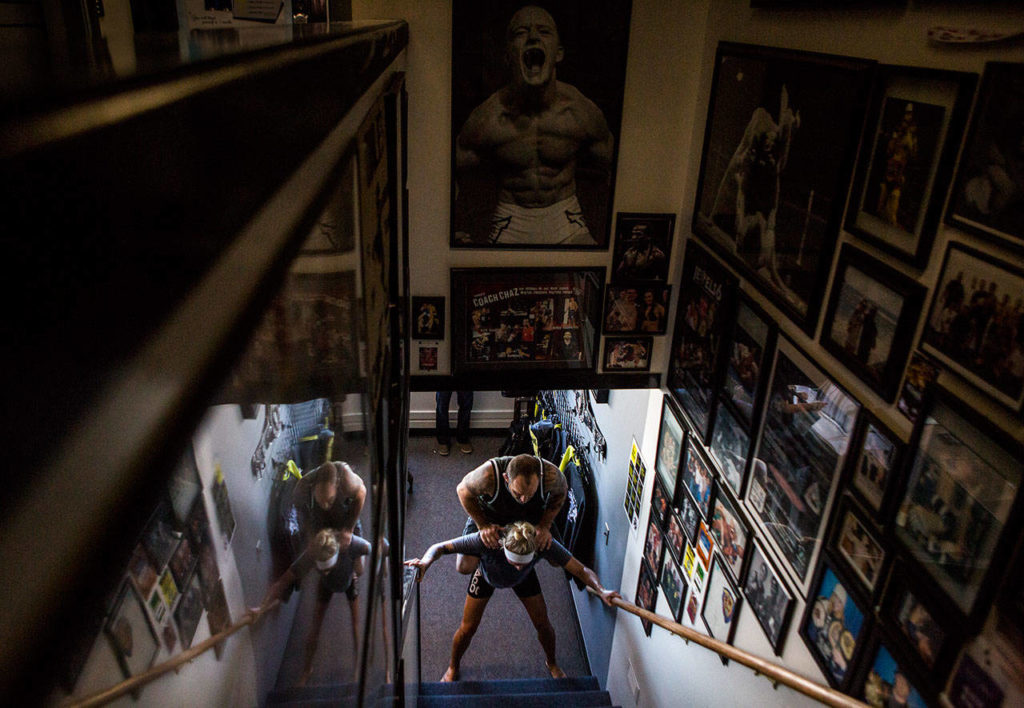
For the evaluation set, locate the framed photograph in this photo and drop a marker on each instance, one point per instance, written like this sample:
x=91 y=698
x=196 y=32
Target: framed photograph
x=643 y=246
x=986 y=197
x=914 y=128
x=689 y=517
x=962 y=486
x=697 y=478
x=160 y=537
x=628 y=353
x=568 y=60
x=871 y=318
x=142 y=572
x=646 y=594
x=427 y=317
x=834 y=626
x=515 y=319
x=184 y=487
x=731 y=534
x=183 y=562
x=671 y=438
x=858 y=548
x=636 y=307
x=730 y=448
x=768 y=598
x=781 y=137
x=674 y=587
x=189 y=610
x=721 y=604
x=807 y=426
x=751 y=342
x=660 y=502
x=706 y=296
x=653 y=545
x=921 y=372
x=675 y=536
x=705 y=544
x=130 y=632
x=918 y=623
x=971 y=325
x=222 y=506
x=428 y=358
x=874 y=461
x=888 y=682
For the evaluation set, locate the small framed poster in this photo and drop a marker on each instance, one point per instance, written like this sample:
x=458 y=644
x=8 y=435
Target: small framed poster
x=427 y=317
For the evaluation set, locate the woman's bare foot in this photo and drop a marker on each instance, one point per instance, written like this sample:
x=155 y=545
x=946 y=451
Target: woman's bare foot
x=450 y=675
x=556 y=672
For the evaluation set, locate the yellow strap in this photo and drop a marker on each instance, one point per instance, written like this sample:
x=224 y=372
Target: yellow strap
x=569 y=453
x=291 y=469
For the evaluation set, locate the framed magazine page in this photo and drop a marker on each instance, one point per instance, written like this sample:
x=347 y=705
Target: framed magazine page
x=973 y=316
x=706 y=296
x=986 y=197
x=518 y=319
x=914 y=127
x=779 y=146
x=871 y=318
x=963 y=483
x=808 y=423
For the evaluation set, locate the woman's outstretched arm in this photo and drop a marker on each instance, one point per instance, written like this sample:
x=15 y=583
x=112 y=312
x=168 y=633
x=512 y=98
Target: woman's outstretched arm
x=589 y=577
x=470 y=545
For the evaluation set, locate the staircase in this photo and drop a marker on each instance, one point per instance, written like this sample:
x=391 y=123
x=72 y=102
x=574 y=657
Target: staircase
x=579 y=692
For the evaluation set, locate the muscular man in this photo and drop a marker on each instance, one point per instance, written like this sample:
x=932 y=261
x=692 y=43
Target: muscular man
x=507 y=489
x=532 y=132
x=642 y=259
x=330 y=497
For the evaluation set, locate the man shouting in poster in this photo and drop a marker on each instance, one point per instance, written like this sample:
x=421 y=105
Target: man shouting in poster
x=532 y=133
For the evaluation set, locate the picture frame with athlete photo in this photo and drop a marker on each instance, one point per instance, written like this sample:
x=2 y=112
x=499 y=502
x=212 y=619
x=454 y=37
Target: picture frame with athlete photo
x=428 y=317
x=674 y=586
x=808 y=423
x=730 y=448
x=801 y=113
x=502 y=52
x=885 y=677
x=707 y=296
x=973 y=314
x=675 y=535
x=871 y=318
x=915 y=123
x=636 y=308
x=646 y=594
x=986 y=196
x=874 y=462
x=768 y=597
x=751 y=342
x=696 y=478
x=661 y=503
x=654 y=544
x=627 y=353
x=689 y=517
x=722 y=603
x=960 y=496
x=835 y=626
x=643 y=246
x=672 y=436
x=522 y=319
x=731 y=533
x=131 y=632
x=859 y=547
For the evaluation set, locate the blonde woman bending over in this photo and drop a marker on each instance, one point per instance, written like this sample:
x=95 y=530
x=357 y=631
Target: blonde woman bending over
x=508 y=566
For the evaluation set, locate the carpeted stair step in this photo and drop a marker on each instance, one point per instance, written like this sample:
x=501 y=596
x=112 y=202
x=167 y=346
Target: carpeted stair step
x=510 y=686
x=566 y=699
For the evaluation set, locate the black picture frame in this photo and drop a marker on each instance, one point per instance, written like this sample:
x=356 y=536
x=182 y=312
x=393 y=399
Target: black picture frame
x=922 y=370
x=675 y=535
x=751 y=343
x=564 y=302
x=654 y=545
x=672 y=436
x=427 y=317
x=958 y=332
x=646 y=594
x=874 y=463
x=982 y=201
x=730 y=448
x=805 y=433
x=871 y=318
x=881 y=661
x=643 y=246
x=661 y=502
x=636 y=308
x=913 y=131
x=689 y=517
x=731 y=533
x=707 y=293
x=722 y=602
x=696 y=477
x=189 y=610
x=627 y=353
x=591 y=58
x=953 y=445
x=674 y=585
x=859 y=548
x=184 y=487
x=813 y=105
x=131 y=633
x=835 y=626
x=768 y=597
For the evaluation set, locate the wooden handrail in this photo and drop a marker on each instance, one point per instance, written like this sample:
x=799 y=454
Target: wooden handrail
x=773 y=672
x=128 y=685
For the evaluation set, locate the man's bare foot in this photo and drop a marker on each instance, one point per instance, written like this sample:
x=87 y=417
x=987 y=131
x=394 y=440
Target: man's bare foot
x=450 y=675
x=556 y=671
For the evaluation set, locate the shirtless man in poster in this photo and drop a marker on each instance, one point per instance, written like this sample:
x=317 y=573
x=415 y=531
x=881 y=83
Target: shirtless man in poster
x=532 y=132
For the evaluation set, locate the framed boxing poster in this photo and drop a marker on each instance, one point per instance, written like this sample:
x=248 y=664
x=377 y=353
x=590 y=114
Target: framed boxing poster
x=518 y=319
x=779 y=146
x=563 y=66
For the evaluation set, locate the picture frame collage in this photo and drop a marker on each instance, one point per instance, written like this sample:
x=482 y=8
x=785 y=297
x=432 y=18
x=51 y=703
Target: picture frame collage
x=834 y=509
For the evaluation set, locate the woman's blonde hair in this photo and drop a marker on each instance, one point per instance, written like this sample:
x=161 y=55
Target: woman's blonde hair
x=521 y=538
x=325 y=545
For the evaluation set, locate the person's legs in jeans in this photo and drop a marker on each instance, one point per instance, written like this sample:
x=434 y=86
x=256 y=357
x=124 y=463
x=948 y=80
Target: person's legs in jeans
x=465 y=399
x=444 y=433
